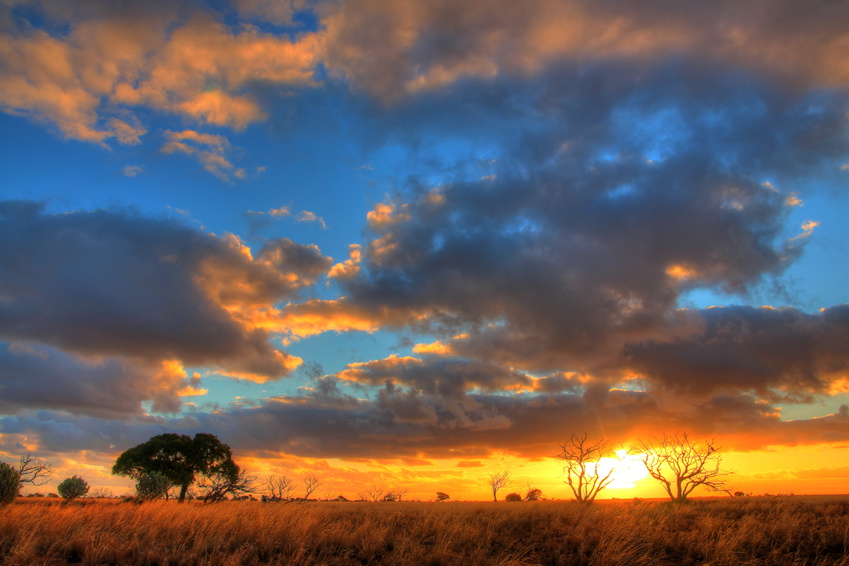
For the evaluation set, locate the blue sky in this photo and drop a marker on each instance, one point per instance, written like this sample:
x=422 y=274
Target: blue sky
x=368 y=231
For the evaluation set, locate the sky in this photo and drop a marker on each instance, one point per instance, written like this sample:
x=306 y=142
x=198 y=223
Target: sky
x=405 y=243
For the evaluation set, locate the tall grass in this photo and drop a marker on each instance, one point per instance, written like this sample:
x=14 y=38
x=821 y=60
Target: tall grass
x=797 y=531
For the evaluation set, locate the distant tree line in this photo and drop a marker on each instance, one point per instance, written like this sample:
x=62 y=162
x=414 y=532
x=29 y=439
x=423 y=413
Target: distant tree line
x=168 y=461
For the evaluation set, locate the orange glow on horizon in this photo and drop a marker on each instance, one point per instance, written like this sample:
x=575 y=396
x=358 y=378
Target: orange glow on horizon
x=807 y=470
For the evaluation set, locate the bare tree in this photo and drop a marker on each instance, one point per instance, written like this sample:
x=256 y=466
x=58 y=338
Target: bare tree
x=311 y=483
x=583 y=475
x=217 y=486
x=681 y=465
x=374 y=493
x=497 y=480
x=400 y=492
x=32 y=470
x=280 y=488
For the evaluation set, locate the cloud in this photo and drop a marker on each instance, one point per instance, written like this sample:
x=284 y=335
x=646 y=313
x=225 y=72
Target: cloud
x=618 y=199
x=88 y=80
x=110 y=283
x=132 y=170
x=399 y=424
x=446 y=378
x=436 y=45
x=209 y=149
x=278 y=12
x=39 y=377
x=259 y=219
x=778 y=354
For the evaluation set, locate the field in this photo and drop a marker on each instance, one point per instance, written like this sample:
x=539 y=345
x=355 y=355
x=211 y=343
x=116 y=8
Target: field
x=758 y=530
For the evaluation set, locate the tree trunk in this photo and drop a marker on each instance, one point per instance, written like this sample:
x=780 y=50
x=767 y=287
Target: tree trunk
x=183 y=489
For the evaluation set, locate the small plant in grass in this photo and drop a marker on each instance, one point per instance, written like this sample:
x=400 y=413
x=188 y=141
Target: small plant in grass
x=152 y=485
x=513 y=497
x=9 y=483
x=72 y=487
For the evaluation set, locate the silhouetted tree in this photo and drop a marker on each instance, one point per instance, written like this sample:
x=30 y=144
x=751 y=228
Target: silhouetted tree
x=583 y=475
x=179 y=457
x=280 y=487
x=373 y=493
x=498 y=480
x=311 y=483
x=400 y=492
x=533 y=494
x=226 y=480
x=681 y=465
x=34 y=471
x=440 y=496
x=513 y=497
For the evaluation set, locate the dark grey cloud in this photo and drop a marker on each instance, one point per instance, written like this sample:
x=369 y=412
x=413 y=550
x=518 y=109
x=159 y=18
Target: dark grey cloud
x=432 y=46
x=400 y=423
x=137 y=291
x=779 y=354
x=450 y=378
x=34 y=377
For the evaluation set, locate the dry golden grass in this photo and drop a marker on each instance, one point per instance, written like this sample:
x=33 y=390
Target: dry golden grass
x=788 y=530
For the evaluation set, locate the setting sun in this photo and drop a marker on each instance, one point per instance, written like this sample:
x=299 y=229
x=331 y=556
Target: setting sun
x=627 y=468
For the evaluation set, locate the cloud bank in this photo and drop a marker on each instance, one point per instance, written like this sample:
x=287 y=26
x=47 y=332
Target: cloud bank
x=578 y=168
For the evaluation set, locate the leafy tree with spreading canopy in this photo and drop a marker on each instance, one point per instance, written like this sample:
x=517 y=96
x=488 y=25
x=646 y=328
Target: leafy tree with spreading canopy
x=179 y=457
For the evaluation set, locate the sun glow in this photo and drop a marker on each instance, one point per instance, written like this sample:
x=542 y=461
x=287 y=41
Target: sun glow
x=627 y=468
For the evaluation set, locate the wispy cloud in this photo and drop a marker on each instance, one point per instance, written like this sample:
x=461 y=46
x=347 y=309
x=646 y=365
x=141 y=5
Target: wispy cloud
x=132 y=170
x=210 y=150
x=261 y=219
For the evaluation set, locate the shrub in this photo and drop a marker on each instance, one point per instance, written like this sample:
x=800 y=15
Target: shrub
x=534 y=494
x=440 y=496
x=73 y=487
x=513 y=497
x=152 y=485
x=10 y=482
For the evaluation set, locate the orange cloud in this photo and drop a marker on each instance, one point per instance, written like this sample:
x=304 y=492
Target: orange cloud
x=386 y=214
x=436 y=348
x=85 y=81
x=316 y=316
x=288 y=362
x=350 y=267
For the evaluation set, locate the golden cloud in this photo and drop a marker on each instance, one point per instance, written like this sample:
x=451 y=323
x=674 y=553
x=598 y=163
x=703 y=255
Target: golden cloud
x=195 y=67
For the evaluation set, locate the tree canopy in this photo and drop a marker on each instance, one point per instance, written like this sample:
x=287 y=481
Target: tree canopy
x=179 y=457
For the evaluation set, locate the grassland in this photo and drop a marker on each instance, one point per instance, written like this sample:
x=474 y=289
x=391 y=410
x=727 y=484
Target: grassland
x=787 y=530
